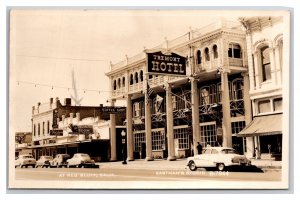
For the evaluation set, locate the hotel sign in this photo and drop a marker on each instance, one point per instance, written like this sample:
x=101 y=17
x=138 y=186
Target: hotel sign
x=56 y=132
x=160 y=63
x=113 y=110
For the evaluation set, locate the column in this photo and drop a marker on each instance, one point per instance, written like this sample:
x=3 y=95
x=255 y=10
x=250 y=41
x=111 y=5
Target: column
x=170 y=131
x=248 y=113
x=113 y=143
x=148 y=128
x=250 y=57
x=195 y=115
x=226 y=122
x=129 y=129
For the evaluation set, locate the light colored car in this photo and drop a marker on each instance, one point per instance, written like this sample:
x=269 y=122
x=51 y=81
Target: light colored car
x=217 y=157
x=44 y=161
x=25 y=160
x=80 y=160
x=59 y=160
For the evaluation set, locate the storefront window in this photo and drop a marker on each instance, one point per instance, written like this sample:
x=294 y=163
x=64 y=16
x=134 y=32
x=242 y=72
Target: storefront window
x=182 y=134
x=139 y=138
x=208 y=135
x=158 y=140
x=277 y=103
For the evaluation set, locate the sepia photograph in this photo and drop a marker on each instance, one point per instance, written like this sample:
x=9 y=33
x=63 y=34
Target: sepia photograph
x=148 y=99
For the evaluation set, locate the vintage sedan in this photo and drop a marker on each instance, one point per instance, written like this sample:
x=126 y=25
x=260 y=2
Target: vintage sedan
x=25 y=160
x=59 y=160
x=80 y=160
x=44 y=161
x=217 y=157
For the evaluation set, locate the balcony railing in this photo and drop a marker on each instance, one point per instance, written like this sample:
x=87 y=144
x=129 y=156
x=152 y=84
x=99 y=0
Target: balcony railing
x=238 y=62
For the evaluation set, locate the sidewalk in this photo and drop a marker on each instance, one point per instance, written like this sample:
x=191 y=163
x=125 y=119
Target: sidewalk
x=179 y=164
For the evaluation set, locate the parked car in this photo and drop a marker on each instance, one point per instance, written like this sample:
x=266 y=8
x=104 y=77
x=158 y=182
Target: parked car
x=217 y=157
x=59 y=160
x=80 y=160
x=25 y=160
x=44 y=161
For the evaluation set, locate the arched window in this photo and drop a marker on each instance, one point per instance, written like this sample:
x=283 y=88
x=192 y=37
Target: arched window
x=123 y=81
x=215 y=51
x=237 y=89
x=234 y=51
x=119 y=83
x=265 y=63
x=115 y=85
x=207 y=57
x=199 y=58
x=136 y=77
x=141 y=75
x=131 y=79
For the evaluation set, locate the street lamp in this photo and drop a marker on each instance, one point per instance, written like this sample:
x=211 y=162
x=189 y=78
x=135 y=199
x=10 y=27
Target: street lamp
x=123 y=133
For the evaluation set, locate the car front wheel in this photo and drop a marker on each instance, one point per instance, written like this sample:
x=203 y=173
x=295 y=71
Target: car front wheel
x=192 y=166
x=220 y=166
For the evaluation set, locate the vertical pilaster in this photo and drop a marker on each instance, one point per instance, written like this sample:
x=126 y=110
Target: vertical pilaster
x=113 y=143
x=226 y=122
x=248 y=112
x=148 y=128
x=278 y=65
x=257 y=59
x=170 y=131
x=273 y=66
x=129 y=129
x=195 y=114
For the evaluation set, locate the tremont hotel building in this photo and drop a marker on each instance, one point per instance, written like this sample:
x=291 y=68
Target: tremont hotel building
x=204 y=86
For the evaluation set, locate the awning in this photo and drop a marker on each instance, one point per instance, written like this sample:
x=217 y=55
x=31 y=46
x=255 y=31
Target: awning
x=263 y=125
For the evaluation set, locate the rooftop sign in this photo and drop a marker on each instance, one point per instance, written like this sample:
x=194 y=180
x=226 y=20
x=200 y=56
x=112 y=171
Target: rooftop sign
x=170 y=63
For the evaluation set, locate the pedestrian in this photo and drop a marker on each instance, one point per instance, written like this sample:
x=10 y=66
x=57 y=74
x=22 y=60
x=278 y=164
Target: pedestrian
x=199 y=148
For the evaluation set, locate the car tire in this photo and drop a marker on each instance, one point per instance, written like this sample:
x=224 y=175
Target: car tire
x=220 y=167
x=192 y=166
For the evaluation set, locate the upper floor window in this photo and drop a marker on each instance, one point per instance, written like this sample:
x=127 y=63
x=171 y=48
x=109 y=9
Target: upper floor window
x=131 y=79
x=115 y=85
x=206 y=52
x=204 y=96
x=34 y=129
x=119 y=83
x=234 y=51
x=237 y=89
x=123 y=82
x=215 y=51
x=136 y=109
x=265 y=63
x=136 y=77
x=48 y=127
x=141 y=76
x=43 y=128
x=199 y=58
x=39 y=129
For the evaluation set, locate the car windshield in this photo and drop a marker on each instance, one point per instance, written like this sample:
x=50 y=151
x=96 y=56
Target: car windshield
x=85 y=156
x=228 y=151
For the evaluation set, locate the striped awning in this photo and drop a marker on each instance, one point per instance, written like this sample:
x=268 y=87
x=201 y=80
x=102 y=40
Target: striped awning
x=263 y=125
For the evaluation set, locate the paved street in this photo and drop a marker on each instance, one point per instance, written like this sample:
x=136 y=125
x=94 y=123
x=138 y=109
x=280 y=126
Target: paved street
x=123 y=173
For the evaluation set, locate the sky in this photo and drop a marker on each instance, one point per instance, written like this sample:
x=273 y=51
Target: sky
x=48 y=46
